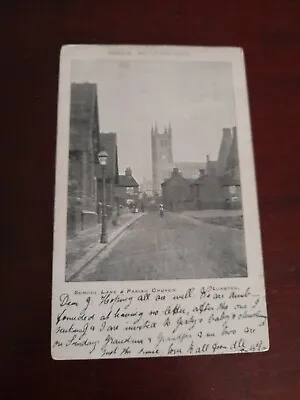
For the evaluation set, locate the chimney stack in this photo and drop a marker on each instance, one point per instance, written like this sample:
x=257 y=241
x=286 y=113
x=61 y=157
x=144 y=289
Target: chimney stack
x=234 y=132
x=227 y=133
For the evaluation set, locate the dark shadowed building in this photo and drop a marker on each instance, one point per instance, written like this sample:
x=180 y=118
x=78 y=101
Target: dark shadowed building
x=211 y=166
x=127 y=190
x=207 y=192
x=176 y=192
x=211 y=195
x=218 y=186
x=84 y=146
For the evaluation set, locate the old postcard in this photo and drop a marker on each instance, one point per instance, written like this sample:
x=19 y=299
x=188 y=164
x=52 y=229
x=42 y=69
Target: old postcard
x=157 y=248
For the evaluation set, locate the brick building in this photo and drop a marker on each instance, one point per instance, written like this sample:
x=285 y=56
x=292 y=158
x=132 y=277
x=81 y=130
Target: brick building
x=176 y=192
x=84 y=145
x=127 y=190
x=218 y=185
x=206 y=190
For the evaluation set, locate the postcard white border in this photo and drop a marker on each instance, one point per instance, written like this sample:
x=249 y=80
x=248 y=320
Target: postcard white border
x=233 y=55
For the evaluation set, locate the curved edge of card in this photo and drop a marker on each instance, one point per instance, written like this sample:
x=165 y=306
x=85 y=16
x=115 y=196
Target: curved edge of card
x=213 y=304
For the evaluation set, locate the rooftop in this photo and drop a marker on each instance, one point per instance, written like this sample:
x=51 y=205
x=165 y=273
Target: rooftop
x=127 y=181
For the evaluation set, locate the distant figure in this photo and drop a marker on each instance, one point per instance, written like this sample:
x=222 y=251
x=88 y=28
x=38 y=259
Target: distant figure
x=161 y=210
x=227 y=204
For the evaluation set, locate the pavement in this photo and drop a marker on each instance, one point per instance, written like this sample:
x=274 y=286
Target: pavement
x=176 y=246
x=213 y=213
x=227 y=218
x=86 y=245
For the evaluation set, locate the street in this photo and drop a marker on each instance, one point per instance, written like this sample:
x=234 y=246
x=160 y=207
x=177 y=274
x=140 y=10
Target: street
x=172 y=247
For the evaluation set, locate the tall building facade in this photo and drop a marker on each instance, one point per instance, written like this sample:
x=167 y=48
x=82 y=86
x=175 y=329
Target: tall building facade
x=84 y=146
x=224 y=151
x=162 y=157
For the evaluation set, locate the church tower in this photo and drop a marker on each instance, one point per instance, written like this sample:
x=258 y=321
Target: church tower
x=162 y=156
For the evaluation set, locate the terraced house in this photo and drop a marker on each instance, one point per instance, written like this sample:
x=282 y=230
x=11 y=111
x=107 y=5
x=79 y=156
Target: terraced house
x=127 y=190
x=85 y=174
x=217 y=185
x=84 y=147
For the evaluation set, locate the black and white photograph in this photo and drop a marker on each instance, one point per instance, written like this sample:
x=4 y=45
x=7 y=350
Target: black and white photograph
x=154 y=188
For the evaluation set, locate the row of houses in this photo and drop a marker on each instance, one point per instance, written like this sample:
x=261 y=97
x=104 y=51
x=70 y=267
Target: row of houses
x=85 y=174
x=217 y=186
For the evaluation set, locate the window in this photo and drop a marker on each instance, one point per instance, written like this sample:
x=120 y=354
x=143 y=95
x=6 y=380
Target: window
x=232 y=190
x=75 y=155
x=130 y=190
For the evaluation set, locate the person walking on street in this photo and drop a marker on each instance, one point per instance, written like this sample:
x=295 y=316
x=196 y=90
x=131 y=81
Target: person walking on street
x=161 y=210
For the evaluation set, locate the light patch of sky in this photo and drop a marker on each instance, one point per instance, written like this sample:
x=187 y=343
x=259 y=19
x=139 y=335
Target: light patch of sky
x=195 y=97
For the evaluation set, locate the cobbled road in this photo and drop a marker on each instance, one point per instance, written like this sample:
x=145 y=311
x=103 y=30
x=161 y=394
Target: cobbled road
x=172 y=247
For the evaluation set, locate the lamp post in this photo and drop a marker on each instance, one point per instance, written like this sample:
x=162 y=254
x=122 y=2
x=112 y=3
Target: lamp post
x=102 y=156
x=96 y=199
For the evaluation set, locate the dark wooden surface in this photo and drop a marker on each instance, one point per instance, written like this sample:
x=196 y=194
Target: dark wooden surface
x=32 y=34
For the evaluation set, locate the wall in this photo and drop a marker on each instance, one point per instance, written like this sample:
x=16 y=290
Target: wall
x=209 y=194
x=176 y=193
x=227 y=193
x=110 y=196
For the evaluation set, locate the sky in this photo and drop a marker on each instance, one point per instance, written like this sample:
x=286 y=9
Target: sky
x=195 y=97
